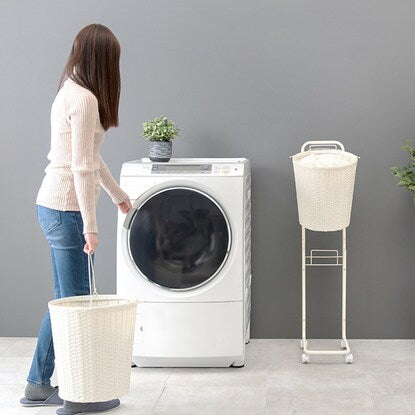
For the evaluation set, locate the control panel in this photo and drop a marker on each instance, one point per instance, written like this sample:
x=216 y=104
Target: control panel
x=182 y=168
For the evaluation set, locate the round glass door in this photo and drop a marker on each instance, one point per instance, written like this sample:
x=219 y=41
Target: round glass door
x=179 y=238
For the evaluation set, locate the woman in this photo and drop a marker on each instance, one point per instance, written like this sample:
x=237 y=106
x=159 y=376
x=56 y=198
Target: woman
x=85 y=106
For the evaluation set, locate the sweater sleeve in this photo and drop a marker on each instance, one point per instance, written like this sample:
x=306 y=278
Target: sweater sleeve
x=83 y=114
x=109 y=184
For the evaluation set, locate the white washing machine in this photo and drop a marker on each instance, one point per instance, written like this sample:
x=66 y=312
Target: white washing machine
x=184 y=251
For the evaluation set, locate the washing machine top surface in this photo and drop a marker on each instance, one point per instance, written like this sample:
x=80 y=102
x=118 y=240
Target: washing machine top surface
x=187 y=167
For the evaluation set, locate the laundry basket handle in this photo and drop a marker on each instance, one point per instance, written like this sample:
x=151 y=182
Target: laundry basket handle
x=91 y=277
x=322 y=144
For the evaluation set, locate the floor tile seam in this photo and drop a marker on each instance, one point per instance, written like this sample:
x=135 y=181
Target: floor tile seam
x=321 y=389
x=162 y=391
x=15 y=357
x=10 y=345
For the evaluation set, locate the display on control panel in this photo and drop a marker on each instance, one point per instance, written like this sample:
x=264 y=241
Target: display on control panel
x=181 y=168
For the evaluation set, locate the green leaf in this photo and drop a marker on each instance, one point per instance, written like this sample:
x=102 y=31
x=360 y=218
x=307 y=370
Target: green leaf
x=406 y=174
x=160 y=129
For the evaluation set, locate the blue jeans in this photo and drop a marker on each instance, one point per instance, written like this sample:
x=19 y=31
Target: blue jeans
x=63 y=231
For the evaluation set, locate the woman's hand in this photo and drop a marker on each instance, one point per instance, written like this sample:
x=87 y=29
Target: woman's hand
x=125 y=205
x=91 y=242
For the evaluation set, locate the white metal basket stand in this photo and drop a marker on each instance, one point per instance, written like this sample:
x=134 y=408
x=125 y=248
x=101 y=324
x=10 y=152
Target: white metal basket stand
x=324 y=197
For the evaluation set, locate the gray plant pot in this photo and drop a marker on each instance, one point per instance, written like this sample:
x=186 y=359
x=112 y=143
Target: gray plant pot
x=159 y=150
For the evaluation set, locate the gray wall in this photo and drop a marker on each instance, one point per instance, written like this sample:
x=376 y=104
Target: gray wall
x=241 y=78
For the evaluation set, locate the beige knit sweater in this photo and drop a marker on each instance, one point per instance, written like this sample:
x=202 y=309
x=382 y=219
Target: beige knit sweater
x=76 y=169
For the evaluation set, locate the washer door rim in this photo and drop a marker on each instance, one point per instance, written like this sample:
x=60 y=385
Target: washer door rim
x=144 y=198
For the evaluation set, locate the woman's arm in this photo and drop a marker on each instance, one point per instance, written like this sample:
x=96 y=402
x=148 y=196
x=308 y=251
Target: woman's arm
x=109 y=184
x=83 y=112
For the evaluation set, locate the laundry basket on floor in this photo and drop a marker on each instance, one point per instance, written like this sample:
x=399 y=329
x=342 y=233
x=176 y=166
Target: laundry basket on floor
x=324 y=181
x=93 y=341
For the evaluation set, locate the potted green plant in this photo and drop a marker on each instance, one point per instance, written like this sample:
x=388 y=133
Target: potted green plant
x=159 y=132
x=406 y=174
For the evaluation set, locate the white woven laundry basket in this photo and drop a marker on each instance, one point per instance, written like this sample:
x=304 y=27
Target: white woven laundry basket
x=93 y=341
x=324 y=194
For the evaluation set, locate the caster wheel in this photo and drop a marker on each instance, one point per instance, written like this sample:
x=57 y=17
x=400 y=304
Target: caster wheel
x=348 y=358
x=305 y=358
x=343 y=345
x=238 y=364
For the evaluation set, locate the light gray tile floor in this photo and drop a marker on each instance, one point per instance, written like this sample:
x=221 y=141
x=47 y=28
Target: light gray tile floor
x=273 y=381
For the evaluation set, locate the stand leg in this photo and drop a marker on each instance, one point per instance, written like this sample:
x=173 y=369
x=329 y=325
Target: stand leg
x=344 y=268
x=348 y=358
x=303 y=344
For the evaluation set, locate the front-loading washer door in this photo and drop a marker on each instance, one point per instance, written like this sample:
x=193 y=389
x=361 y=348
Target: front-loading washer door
x=179 y=238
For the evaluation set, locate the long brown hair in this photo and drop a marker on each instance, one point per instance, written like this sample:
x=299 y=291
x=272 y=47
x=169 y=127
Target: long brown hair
x=94 y=63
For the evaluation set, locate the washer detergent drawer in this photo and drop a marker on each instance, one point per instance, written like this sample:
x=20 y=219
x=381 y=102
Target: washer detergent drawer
x=189 y=329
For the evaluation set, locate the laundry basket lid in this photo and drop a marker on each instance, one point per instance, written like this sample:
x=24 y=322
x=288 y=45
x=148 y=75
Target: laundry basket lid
x=324 y=159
